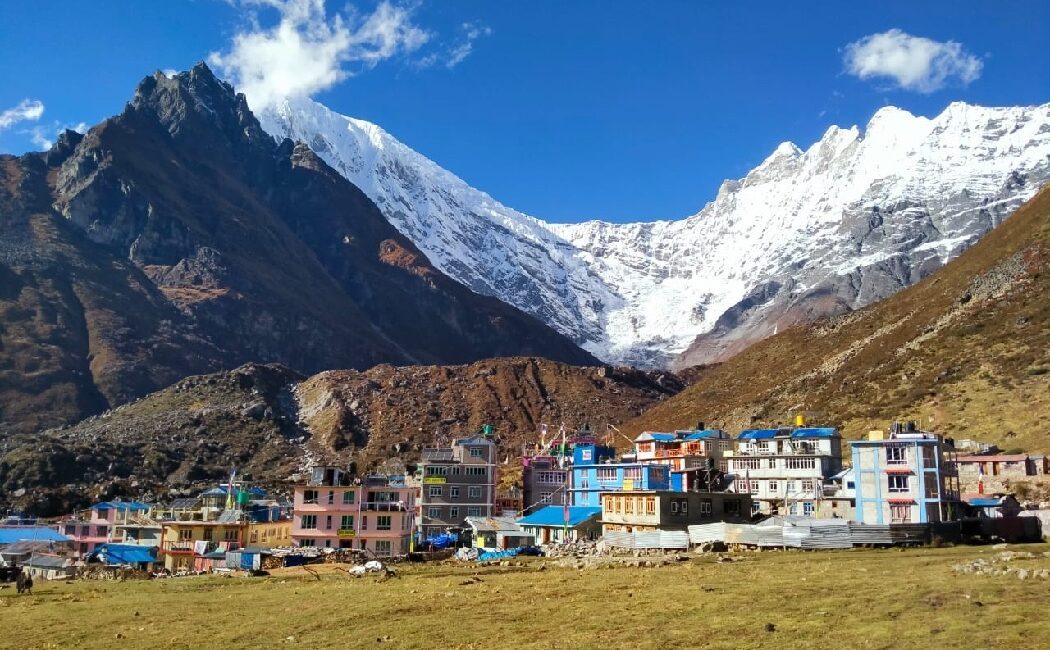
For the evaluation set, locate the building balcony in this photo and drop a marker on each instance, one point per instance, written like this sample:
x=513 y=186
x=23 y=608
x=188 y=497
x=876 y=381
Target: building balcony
x=385 y=506
x=180 y=548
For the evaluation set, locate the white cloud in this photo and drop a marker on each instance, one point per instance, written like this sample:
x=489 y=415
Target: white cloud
x=308 y=51
x=454 y=55
x=44 y=136
x=911 y=62
x=27 y=110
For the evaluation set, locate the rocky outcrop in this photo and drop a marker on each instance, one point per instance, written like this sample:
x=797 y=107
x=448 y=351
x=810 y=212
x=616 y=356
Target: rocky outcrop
x=179 y=238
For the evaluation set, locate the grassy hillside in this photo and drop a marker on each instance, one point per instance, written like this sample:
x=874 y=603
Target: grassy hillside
x=966 y=351
x=908 y=599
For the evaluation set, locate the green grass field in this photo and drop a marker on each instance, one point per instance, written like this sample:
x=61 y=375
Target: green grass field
x=850 y=599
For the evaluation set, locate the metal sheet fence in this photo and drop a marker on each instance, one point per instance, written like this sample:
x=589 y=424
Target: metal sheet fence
x=665 y=539
x=814 y=533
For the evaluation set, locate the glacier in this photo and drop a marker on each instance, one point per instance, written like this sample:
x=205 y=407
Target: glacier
x=853 y=218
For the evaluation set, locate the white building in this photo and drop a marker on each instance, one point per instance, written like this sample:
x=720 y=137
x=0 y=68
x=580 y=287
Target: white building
x=784 y=469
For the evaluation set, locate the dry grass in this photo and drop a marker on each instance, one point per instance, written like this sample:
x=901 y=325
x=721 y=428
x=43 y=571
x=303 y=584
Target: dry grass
x=851 y=599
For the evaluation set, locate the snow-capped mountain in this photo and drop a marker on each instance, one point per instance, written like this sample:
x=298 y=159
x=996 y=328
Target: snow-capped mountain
x=853 y=218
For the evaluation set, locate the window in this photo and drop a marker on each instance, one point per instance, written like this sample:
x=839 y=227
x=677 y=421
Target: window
x=807 y=485
x=731 y=507
x=632 y=473
x=436 y=470
x=306 y=543
x=789 y=487
x=477 y=471
x=628 y=506
x=185 y=534
x=328 y=543
x=348 y=497
x=674 y=506
x=207 y=534
x=476 y=452
x=434 y=490
x=331 y=497
x=455 y=470
x=896 y=455
x=650 y=505
x=100 y=531
x=551 y=478
x=900 y=514
x=850 y=485
x=383 y=522
x=898 y=483
x=230 y=535
x=382 y=547
x=434 y=513
x=453 y=513
x=310 y=496
x=800 y=463
x=746 y=463
x=474 y=492
x=308 y=522
x=807 y=508
x=545 y=497
x=754 y=487
x=705 y=507
x=742 y=486
x=474 y=512
x=328 y=522
x=679 y=506
x=773 y=487
x=453 y=492
x=346 y=522
x=606 y=473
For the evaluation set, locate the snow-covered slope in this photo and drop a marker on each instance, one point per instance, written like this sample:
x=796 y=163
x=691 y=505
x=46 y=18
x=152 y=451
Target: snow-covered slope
x=850 y=220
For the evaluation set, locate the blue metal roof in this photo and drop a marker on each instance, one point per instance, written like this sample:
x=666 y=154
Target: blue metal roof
x=121 y=505
x=555 y=516
x=985 y=503
x=705 y=434
x=11 y=534
x=815 y=432
x=758 y=434
x=663 y=437
x=112 y=554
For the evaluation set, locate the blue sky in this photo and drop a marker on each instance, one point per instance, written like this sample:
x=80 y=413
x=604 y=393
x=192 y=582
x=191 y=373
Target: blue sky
x=564 y=110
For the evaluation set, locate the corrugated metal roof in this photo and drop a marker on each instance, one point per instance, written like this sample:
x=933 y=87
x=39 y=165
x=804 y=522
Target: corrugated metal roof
x=706 y=434
x=185 y=503
x=121 y=505
x=26 y=546
x=492 y=524
x=47 y=562
x=1001 y=458
x=555 y=516
x=758 y=434
x=646 y=436
x=815 y=432
x=11 y=534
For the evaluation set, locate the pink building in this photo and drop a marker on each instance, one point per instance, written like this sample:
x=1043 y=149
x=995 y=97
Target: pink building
x=374 y=514
x=97 y=525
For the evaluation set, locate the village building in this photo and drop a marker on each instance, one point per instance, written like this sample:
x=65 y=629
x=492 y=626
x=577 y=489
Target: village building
x=456 y=482
x=500 y=533
x=594 y=472
x=649 y=510
x=906 y=476
x=132 y=556
x=509 y=502
x=546 y=469
x=49 y=567
x=376 y=515
x=838 y=498
x=994 y=472
x=185 y=545
x=784 y=469
x=16 y=553
x=992 y=506
x=683 y=450
x=563 y=524
x=98 y=525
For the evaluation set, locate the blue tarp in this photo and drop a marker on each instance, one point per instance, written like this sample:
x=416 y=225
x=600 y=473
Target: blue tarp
x=498 y=555
x=12 y=534
x=114 y=554
x=555 y=516
x=814 y=432
x=444 y=540
x=985 y=503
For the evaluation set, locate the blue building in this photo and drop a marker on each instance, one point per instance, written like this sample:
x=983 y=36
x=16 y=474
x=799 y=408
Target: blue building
x=594 y=471
x=907 y=477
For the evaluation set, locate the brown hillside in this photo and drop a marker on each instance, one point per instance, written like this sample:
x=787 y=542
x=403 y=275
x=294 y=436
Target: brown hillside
x=270 y=423
x=966 y=351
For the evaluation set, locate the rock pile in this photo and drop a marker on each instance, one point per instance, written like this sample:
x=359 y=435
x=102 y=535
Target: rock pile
x=998 y=565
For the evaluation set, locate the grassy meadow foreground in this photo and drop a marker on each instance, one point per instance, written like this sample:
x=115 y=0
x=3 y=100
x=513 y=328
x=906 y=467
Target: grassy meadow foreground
x=854 y=599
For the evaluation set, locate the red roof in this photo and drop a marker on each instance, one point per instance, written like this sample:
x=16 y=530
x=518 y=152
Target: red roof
x=900 y=500
x=1012 y=458
x=903 y=469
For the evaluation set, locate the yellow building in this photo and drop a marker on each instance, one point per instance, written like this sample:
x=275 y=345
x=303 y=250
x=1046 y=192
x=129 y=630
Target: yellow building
x=185 y=544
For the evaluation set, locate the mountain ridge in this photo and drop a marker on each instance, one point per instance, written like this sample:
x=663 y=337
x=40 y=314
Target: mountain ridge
x=607 y=286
